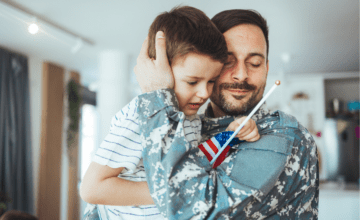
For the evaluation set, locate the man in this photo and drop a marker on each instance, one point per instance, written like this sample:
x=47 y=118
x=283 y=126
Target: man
x=274 y=178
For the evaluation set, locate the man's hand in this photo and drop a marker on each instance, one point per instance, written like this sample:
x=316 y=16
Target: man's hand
x=248 y=133
x=154 y=74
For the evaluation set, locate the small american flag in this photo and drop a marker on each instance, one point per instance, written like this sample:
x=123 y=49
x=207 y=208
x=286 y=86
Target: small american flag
x=211 y=147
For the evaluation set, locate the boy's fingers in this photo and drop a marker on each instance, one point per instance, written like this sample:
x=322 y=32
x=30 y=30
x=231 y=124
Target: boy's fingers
x=144 y=54
x=249 y=134
x=232 y=126
x=244 y=134
x=160 y=44
x=252 y=124
x=249 y=127
x=235 y=124
x=257 y=137
x=245 y=129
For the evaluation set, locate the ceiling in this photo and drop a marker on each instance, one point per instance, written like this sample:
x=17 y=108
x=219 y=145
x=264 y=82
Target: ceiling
x=318 y=36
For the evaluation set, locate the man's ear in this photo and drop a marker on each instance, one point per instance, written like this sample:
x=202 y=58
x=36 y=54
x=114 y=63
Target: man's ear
x=267 y=67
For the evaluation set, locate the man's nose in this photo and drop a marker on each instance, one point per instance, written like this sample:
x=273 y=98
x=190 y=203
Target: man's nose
x=240 y=72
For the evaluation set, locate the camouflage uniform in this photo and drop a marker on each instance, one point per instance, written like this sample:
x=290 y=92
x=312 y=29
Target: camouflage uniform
x=275 y=177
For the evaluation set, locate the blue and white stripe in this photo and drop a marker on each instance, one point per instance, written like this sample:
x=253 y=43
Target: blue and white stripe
x=122 y=148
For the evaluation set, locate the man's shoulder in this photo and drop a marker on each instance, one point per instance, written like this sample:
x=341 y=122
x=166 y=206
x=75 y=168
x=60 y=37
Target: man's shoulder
x=286 y=126
x=287 y=120
x=290 y=121
x=281 y=120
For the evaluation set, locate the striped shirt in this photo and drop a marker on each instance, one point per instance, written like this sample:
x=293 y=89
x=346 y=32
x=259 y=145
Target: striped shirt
x=122 y=148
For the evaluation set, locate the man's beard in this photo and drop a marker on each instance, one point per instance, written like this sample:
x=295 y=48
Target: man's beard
x=218 y=98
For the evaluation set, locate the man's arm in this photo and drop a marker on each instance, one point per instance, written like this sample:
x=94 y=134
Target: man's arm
x=161 y=125
x=235 y=188
x=154 y=74
x=181 y=180
x=275 y=177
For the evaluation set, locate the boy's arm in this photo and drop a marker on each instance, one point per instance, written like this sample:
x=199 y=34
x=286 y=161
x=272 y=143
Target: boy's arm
x=101 y=185
x=120 y=149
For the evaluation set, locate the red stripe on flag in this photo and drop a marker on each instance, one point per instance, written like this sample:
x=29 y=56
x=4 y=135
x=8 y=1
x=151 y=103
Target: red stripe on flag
x=222 y=157
x=212 y=145
x=208 y=156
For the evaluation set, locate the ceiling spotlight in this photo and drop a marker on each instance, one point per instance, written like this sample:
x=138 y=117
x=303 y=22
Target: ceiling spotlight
x=33 y=28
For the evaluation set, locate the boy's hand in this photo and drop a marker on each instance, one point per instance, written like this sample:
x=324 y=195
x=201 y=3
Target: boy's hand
x=248 y=133
x=154 y=74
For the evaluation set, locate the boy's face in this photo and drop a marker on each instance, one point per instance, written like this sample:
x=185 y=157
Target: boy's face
x=194 y=75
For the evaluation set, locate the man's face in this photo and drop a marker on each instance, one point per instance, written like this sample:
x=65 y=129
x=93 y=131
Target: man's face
x=242 y=81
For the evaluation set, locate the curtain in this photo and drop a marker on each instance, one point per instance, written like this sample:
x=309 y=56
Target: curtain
x=15 y=142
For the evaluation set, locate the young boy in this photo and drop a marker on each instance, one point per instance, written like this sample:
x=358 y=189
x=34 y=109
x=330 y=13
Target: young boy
x=197 y=52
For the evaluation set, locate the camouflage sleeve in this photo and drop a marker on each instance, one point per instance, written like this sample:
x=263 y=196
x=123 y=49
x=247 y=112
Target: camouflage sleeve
x=169 y=175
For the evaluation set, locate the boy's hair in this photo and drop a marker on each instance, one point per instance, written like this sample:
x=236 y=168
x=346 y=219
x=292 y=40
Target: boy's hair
x=228 y=19
x=186 y=30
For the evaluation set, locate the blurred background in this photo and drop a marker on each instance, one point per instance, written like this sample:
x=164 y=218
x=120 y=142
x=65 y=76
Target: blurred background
x=44 y=45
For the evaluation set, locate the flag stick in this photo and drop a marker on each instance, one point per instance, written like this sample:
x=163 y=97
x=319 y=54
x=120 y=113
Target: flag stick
x=277 y=83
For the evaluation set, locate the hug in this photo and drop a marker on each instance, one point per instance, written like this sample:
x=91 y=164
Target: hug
x=155 y=161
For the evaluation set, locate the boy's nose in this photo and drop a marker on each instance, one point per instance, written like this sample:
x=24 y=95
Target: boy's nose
x=204 y=92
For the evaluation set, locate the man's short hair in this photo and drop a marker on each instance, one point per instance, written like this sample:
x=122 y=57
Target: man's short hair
x=186 y=30
x=226 y=20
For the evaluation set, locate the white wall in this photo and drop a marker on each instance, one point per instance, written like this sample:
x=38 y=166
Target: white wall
x=35 y=85
x=64 y=188
x=113 y=90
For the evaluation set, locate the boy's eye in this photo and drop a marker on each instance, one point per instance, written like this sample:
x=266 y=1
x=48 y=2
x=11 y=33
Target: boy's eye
x=192 y=83
x=212 y=81
x=255 y=65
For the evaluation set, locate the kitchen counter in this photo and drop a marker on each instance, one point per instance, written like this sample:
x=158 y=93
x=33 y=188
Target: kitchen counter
x=339 y=201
